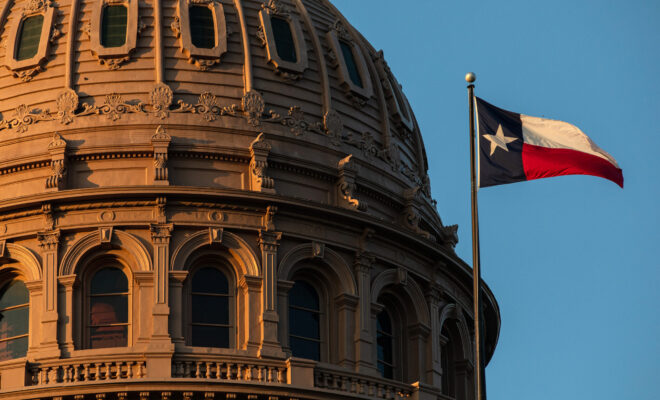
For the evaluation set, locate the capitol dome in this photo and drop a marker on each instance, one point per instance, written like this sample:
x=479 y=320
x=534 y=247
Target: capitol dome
x=218 y=199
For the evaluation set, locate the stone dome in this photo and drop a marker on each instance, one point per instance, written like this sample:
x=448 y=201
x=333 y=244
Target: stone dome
x=279 y=138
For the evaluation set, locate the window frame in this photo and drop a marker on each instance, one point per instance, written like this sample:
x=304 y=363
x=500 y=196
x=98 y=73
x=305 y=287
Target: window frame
x=402 y=112
x=392 y=336
x=228 y=272
x=8 y=280
x=322 y=312
x=334 y=35
x=113 y=57
x=203 y=58
x=90 y=272
x=26 y=69
x=282 y=67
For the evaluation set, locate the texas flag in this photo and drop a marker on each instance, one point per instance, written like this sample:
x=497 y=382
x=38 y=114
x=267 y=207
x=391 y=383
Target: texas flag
x=516 y=147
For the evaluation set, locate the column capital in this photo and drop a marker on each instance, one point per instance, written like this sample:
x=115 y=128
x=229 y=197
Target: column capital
x=269 y=241
x=49 y=240
x=161 y=233
x=364 y=262
x=68 y=281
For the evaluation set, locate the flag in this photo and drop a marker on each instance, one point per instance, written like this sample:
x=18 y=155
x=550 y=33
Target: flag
x=515 y=147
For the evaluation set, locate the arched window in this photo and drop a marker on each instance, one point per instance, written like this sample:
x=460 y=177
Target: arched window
x=304 y=321
x=351 y=63
x=385 y=345
x=210 y=317
x=14 y=322
x=286 y=46
x=108 y=309
x=202 y=27
x=113 y=26
x=28 y=37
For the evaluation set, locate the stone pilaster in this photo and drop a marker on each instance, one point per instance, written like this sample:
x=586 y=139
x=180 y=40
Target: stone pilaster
x=283 y=288
x=49 y=242
x=363 y=266
x=270 y=345
x=68 y=284
x=176 y=306
x=434 y=368
x=58 y=163
x=251 y=286
x=161 y=142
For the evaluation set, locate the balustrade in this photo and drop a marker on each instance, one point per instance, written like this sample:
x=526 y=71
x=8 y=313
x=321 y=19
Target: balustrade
x=359 y=384
x=68 y=372
x=229 y=370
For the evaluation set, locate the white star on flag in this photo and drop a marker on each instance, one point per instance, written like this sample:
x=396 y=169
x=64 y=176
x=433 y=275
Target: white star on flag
x=499 y=140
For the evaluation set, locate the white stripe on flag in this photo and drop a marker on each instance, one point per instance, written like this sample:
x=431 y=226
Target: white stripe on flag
x=559 y=135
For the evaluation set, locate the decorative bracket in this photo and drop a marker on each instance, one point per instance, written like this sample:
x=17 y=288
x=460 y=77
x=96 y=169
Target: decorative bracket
x=346 y=187
x=58 y=163
x=259 y=151
x=318 y=250
x=105 y=234
x=411 y=217
x=161 y=142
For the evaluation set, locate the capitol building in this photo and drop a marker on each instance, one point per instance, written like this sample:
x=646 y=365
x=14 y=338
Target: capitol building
x=219 y=199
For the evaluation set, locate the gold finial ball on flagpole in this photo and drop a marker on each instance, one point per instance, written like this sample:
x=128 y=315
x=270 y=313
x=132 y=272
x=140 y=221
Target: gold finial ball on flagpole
x=470 y=77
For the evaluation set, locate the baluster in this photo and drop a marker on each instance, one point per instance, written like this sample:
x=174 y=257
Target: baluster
x=85 y=373
x=129 y=369
x=197 y=371
x=107 y=370
x=239 y=372
x=218 y=371
x=141 y=366
x=208 y=370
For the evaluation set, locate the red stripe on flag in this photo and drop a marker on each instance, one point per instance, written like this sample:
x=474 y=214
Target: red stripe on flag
x=543 y=162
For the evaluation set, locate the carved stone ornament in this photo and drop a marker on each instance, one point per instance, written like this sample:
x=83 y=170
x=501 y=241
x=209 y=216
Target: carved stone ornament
x=160 y=142
x=67 y=104
x=449 y=235
x=277 y=7
x=346 y=187
x=334 y=126
x=411 y=216
x=58 y=163
x=259 y=150
x=161 y=100
x=253 y=107
x=269 y=218
x=318 y=250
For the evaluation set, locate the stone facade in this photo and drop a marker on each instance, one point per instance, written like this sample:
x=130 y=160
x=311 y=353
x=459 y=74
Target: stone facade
x=159 y=157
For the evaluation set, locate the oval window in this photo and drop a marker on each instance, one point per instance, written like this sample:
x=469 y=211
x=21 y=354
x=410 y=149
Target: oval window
x=113 y=26
x=28 y=37
x=351 y=64
x=202 y=27
x=14 y=321
x=286 y=47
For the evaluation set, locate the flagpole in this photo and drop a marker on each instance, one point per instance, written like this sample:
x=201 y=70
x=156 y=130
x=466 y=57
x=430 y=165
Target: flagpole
x=479 y=367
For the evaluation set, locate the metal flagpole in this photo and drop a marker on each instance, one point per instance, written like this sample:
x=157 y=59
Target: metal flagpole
x=476 y=267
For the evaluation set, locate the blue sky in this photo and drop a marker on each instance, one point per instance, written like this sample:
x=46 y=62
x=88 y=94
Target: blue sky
x=573 y=261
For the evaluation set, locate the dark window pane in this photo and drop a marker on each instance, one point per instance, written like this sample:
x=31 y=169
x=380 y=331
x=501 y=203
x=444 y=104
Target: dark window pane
x=305 y=348
x=109 y=280
x=286 y=47
x=384 y=323
x=303 y=295
x=14 y=322
x=28 y=37
x=113 y=26
x=384 y=348
x=210 y=280
x=202 y=27
x=210 y=309
x=386 y=371
x=106 y=310
x=304 y=323
x=351 y=65
x=13 y=348
x=14 y=294
x=108 y=336
x=210 y=336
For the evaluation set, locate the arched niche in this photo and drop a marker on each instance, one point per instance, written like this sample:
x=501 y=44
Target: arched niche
x=92 y=241
x=28 y=264
x=416 y=300
x=243 y=257
x=452 y=312
x=339 y=270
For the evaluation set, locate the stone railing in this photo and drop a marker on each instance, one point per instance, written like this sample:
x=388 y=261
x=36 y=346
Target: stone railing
x=359 y=384
x=66 y=371
x=229 y=369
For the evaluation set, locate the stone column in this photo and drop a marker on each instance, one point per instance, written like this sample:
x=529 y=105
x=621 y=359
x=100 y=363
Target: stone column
x=417 y=347
x=160 y=349
x=49 y=243
x=346 y=306
x=251 y=286
x=68 y=284
x=35 y=288
x=434 y=367
x=176 y=306
x=464 y=388
x=283 y=288
x=270 y=345
x=363 y=335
